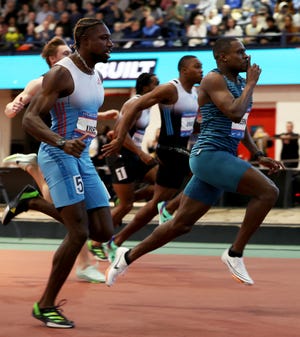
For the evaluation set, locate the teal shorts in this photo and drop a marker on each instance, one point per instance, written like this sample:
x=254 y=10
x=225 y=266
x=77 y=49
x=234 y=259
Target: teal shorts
x=213 y=173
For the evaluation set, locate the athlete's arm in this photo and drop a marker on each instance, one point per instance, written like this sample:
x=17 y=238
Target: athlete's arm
x=24 y=98
x=56 y=83
x=108 y=114
x=166 y=94
x=214 y=89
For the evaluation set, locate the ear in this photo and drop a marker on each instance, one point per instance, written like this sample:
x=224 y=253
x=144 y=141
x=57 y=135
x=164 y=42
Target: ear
x=223 y=57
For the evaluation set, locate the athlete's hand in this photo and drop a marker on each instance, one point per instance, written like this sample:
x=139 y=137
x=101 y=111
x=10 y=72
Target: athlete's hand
x=75 y=147
x=253 y=72
x=273 y=165
x=147 y=158
x=111 y=148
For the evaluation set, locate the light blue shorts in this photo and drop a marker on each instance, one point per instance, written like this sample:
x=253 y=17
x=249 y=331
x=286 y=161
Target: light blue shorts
x=213 y=173
x=72 y=180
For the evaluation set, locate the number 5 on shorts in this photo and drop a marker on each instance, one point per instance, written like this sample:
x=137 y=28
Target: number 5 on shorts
x=78 y=184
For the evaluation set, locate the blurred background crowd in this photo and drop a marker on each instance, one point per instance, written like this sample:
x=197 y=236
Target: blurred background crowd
x=26 y=25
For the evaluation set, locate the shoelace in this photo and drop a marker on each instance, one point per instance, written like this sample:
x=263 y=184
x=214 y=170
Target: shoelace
x=55 y=312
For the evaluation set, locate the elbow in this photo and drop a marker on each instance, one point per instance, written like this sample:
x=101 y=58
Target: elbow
x=25 y=123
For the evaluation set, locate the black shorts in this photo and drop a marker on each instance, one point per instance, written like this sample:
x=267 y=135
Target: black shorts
x=127 y=168
x=174 y=169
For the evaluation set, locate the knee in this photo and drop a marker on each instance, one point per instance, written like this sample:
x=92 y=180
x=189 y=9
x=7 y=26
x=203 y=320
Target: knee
x=126 y=207
x=79 y=237
x=181 y=228
x=101 y=234
x=271 y=193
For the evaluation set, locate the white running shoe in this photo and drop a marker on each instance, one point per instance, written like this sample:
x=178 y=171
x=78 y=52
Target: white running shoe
x=237 y=268
x=117 y=267
x=90 y=274
x=20 y=160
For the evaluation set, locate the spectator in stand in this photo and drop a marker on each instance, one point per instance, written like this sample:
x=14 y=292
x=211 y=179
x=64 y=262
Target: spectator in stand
x=13 y=37
x=156 y=12
x=42 y=14
x=9 y=10
x=252 y=29
x=75 y=13
x=22 y=19
x=197 y=32
x=89 y=10
x=30 y=41
x=281 y=10
x=44 y=32
x=150 y=32
x=112 y=13
x=261 y=139
x=213 y=17
x=60 y=6
x=117 y=35
x=175 y=22
x=205 y=6
x=135 y=32
x=213 y=34
x=290 y=146
x=164 y=4
x=32 y=18
x=272 y=34
x=128 y=19
x=292 y=33
x=66 y=24
x=146 y=12
x=48 y=24
x=232 y=28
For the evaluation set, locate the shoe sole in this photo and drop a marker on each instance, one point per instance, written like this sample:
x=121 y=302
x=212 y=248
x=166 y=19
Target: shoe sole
x=86 y=279
x=53 y=325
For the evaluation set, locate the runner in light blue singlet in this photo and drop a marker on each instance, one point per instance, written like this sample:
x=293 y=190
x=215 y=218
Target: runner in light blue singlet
x=71 y=179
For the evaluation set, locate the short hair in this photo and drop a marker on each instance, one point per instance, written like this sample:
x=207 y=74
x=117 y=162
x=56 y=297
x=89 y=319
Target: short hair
x=223 y=45
x=50 y=49
x=184 y=60
x=82 y=26
x=142 y=81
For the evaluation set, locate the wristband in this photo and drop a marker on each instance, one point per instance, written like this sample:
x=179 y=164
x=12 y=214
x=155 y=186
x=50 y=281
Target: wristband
x=258 y=154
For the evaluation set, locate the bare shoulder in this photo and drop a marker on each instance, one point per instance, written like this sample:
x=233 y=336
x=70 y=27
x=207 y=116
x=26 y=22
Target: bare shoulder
x=212 y=81
x=166 y=93
x=58 y=79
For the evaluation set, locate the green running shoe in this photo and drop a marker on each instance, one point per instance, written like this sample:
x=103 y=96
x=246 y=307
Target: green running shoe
x=110 y=249
x=52 y=316
x=97 y=251
x=163 y=214
x=19 y=204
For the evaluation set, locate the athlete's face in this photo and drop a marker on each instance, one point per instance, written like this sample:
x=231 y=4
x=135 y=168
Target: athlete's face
x=99 y=43
x=61 y=52
x=195 y=71
x=236 y=58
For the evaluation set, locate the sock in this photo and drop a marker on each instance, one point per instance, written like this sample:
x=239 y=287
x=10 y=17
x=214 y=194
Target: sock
x=232 y=253
x=127 y=258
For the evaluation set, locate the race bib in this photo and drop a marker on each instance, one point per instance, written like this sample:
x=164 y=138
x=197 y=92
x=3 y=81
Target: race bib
x=238 y=129
x=87 y=126
x=187 y=124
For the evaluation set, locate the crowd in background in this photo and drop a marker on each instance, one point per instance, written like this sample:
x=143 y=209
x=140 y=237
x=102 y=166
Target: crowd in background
x=29 y=24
